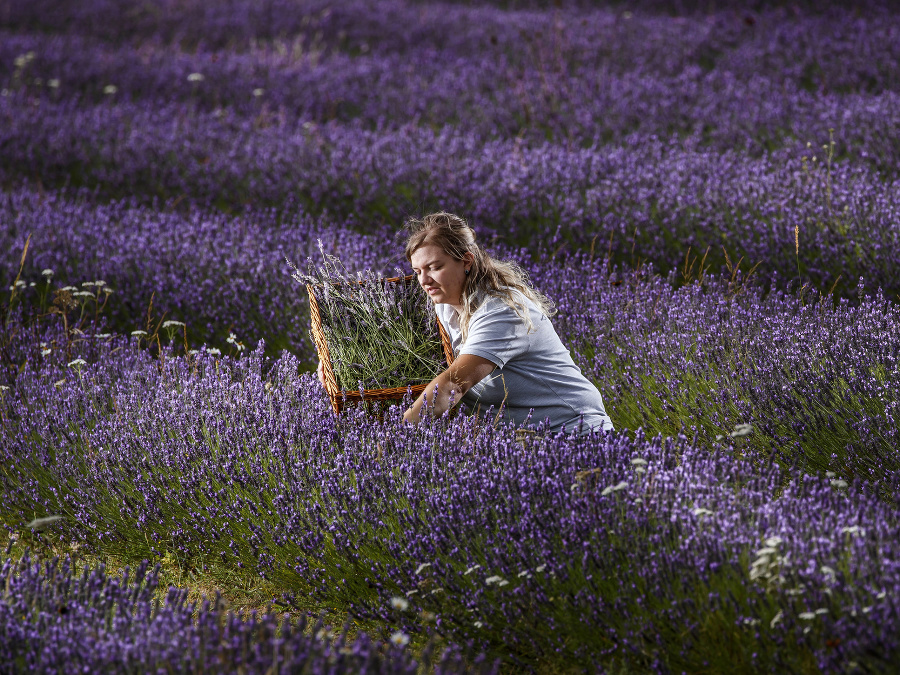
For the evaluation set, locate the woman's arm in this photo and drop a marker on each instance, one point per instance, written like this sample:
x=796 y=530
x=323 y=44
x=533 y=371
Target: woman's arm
x=467 y=371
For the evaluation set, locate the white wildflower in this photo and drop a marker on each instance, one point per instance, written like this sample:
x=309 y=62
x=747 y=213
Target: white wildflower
x=172 y=324
x=46 y=351
x=3 y=387
x=324 y=634
x=699 y=511
x=478 y=624
x=53 y=83
x=741 y=430
x=400 y=603
x=193 y=352
x=213 y=351
x=196 y=77
x=77 y=363
x=838 y=483
x=21 y=284
x=471 y=569
x=776 y=619
x=639 y=470
x=767 y=550
x=853 y=530
x=422 y=567
x=411 y=593
x=47 y=272
x=881 y=596
x=41 y=523
x=399 y=639
x=493 y=580
x=638 y=461
x=103 y=336
x=258 y=92
x=807 y=616
x=773 y=541
x=138 y=333
x=830 y=474
x=32 y=284
x=614 y=488
x=110 y=89
x=540 y=568
x=69 y=288
x=821 y=610
x=524 y=573
x=502 y=582
x=83 y=294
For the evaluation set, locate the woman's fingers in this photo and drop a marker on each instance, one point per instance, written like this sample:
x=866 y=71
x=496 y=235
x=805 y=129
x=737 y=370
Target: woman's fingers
x=320 y=371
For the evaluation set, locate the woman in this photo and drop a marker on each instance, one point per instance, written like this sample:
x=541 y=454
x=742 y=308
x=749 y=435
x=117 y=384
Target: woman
x=507 y=352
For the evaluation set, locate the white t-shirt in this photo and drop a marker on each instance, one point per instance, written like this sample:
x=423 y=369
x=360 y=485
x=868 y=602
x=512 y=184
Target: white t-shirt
x=535 y=378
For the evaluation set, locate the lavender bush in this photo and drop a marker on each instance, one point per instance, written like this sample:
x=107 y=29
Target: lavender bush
x=54 y=618
x=562 y=551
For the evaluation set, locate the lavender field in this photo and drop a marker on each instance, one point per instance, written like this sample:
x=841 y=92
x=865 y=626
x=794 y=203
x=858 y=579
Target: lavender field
x=710 y=194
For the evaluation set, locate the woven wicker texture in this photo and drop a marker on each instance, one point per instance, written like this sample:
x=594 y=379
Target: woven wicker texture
x=340 y=397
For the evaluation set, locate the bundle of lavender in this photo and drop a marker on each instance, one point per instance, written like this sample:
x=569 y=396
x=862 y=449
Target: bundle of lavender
x=380 y=333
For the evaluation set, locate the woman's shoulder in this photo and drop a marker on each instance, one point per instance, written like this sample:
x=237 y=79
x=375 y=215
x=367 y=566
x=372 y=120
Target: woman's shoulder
x=499 y=301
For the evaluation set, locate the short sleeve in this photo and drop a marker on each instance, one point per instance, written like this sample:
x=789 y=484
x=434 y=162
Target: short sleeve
x=496 y=333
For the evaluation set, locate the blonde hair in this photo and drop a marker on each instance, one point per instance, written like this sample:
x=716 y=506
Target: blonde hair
x=488 y=277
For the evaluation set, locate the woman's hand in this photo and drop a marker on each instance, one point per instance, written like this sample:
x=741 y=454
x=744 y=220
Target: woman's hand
x=466 y=371
x=320 y=371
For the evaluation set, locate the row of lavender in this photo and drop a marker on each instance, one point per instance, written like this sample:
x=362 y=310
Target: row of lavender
x=55 y=618
x=717 y=352
x=651 y=200
x=757 y=97
x=741 y=102
x=850 y=47
x=283 y=43
x=609 y=549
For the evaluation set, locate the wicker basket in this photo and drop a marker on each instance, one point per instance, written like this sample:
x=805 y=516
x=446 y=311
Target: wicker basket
x=338 y=396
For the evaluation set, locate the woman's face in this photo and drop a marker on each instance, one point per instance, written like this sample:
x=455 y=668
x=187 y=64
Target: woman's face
x=441 y=276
